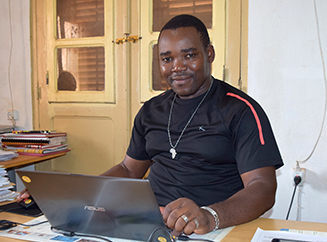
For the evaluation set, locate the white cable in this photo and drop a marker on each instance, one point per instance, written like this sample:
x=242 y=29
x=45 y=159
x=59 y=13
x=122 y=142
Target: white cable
x=9 y=67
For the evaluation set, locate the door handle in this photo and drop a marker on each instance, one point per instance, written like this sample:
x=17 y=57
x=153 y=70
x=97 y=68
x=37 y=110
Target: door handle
x=128 y=38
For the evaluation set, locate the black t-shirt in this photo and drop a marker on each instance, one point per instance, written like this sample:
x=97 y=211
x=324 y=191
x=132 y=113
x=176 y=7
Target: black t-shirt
x=229 y=135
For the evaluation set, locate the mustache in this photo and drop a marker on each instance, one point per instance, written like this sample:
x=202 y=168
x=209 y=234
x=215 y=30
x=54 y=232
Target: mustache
x=179 y=75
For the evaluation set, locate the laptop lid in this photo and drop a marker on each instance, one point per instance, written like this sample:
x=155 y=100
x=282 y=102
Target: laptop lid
x=99 y=205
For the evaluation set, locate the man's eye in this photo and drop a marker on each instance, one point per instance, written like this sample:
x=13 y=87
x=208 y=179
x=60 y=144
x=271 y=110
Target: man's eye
x=166 y=59
x=190 y=55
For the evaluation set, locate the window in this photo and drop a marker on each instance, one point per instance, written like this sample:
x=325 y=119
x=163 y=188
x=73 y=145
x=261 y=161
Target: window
x=78 y=49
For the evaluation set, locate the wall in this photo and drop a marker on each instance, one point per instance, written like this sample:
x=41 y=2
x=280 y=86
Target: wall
x=286 y=77
x=15 y=68
x=15 y=64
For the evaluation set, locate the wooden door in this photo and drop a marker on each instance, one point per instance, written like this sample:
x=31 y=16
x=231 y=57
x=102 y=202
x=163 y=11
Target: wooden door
x=77 y=40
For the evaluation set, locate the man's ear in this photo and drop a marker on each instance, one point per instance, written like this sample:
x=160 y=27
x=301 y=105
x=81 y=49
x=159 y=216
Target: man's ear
x=211 y=53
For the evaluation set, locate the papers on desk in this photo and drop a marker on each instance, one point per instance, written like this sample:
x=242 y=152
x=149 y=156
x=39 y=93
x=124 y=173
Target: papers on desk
x=5 y=193
x=7 y=155
x=267 y=235
x=216 y=236
x=40 y=232
x=43 y=233
x=6 y=129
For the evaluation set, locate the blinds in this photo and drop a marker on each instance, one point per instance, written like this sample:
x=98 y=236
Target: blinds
x=81 y=19
x=91 y=69
x=164 y=10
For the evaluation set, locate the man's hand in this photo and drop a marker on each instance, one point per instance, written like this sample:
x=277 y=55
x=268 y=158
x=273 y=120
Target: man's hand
x=23 y=195
x=184 y=215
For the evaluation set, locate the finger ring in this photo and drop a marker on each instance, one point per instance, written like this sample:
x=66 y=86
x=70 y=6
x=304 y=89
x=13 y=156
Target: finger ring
x=196 y=223
x=185 y=218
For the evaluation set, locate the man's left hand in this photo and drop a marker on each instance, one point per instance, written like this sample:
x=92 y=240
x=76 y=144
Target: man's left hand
x=184 y=215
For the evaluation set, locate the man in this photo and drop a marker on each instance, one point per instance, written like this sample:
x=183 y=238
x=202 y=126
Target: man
x=210 y=148
x=205 y=142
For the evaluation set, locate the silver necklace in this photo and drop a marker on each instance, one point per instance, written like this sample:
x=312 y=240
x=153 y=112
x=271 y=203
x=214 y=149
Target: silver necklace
x=173 y=147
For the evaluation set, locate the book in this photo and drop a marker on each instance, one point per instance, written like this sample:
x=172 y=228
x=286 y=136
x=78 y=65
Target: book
x=10 y=141
x=20 y=150
x=36 y=134
x=51 y=153
x=32 y=131
x=21 y=146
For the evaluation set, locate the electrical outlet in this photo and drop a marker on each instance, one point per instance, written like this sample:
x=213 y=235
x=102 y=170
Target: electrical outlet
x=297 y=171
x=12 y=114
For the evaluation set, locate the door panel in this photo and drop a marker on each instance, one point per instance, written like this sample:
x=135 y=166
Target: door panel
x=91 y=149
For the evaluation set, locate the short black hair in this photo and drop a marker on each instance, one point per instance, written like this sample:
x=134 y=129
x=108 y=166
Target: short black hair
x=186 y=20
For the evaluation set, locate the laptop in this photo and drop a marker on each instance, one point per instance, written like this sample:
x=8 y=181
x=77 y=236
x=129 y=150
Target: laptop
x=97 y=205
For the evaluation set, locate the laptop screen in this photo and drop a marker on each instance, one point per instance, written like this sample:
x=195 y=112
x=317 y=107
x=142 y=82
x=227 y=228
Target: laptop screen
x=99 y=205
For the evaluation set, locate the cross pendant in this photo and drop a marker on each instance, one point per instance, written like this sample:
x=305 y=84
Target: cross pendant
x=173 y=153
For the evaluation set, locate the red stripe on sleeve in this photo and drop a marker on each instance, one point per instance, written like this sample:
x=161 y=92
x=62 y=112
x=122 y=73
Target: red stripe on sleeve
x=254 y=114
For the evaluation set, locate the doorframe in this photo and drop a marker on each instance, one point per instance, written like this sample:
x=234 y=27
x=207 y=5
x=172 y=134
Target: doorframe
x=236 y=55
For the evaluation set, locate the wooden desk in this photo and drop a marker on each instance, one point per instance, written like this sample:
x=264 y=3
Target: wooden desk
x=26 y=160
x=14 y=218
x=245 y=232
x=241 y=233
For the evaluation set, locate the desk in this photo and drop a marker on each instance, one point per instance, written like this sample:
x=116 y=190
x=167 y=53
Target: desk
x=241 y=233
x=15 y=218
x=26 y=160
x=245 y=232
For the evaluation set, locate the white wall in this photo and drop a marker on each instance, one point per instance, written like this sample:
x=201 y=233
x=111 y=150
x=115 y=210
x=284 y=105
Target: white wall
x=15 y=67
x=17 y=64
x=286 y=78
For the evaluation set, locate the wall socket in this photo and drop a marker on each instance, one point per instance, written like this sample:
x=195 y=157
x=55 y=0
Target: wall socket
x=297 y=171
x=12 y=114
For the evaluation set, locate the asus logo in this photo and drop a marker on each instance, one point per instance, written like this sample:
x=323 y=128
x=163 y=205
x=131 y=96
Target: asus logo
x=97 y=209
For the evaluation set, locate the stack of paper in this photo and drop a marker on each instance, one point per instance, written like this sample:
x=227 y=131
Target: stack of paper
x=7 y=155
x=6 y=129
x=5 y=193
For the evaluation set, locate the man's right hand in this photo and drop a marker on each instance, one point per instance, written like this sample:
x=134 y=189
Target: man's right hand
x=23 y=195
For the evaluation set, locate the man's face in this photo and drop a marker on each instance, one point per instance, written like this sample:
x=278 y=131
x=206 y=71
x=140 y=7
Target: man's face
x=184 y=63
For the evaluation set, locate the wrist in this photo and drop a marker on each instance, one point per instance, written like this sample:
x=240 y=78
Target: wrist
x=215 y=216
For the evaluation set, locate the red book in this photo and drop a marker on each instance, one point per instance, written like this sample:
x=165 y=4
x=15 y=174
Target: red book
x=36 y=154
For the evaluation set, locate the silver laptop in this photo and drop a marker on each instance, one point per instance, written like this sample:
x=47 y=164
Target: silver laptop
x=98 y=205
